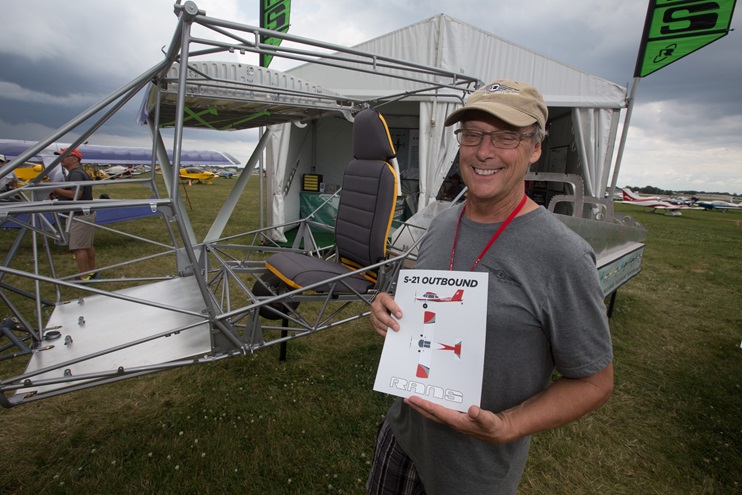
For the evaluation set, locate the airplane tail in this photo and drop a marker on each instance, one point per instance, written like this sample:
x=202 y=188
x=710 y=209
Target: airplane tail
x=458 y=295
x=629 y=195
x=456 y=349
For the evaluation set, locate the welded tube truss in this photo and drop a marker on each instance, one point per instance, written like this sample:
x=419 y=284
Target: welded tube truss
x=227 y=275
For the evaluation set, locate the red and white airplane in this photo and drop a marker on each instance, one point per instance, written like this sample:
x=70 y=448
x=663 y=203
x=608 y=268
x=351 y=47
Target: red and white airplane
x=631 y=198
x=425 y=346
x=433 y=297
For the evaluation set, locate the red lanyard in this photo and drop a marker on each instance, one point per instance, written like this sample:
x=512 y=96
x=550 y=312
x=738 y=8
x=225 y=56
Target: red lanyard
x=494 y=236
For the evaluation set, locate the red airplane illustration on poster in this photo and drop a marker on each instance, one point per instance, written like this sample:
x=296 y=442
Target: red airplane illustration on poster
x=433 y=297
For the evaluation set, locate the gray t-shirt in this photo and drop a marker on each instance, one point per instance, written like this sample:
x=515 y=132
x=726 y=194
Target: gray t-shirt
x=545 y=312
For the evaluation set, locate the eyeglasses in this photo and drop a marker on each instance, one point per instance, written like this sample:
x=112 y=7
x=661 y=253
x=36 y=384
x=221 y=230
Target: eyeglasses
x=500 y=139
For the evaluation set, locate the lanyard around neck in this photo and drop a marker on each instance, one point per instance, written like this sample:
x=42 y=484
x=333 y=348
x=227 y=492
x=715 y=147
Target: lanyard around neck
x=494 y=236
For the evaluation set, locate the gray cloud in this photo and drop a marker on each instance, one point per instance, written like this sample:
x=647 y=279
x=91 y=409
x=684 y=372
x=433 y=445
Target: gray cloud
x=684 y=132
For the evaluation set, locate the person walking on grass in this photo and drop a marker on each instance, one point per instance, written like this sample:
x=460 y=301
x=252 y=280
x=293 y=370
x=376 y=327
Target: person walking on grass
x=82 y=231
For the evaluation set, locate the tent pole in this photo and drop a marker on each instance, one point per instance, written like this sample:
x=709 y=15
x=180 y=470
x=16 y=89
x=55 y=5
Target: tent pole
x=624 y=132
x=261 y=194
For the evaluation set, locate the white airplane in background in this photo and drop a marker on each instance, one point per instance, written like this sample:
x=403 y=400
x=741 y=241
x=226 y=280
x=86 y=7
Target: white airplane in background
x=116 y=171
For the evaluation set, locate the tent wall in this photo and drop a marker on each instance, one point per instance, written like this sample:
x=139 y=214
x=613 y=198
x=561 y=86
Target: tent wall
x=597 y=128
x=322 y=147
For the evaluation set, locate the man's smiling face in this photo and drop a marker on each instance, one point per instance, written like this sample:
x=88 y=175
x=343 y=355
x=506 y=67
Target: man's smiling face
x=495 y=176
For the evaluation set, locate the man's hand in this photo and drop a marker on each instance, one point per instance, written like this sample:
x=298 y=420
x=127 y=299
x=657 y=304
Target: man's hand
x=381 y=310
x=566 y=400
x=476 y=422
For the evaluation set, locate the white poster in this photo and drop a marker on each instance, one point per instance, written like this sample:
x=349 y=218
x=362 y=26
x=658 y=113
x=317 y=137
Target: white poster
x=438 y=352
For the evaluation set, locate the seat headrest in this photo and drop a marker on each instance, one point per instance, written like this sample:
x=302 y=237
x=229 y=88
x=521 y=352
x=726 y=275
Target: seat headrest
x=371 y=138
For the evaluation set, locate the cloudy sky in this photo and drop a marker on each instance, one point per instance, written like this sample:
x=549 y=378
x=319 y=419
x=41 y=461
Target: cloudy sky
x=58 y=58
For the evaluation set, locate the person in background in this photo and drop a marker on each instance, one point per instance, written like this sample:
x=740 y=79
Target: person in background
x=10 y=181
x=82 y=231
x=455 y=187
x=545 y=312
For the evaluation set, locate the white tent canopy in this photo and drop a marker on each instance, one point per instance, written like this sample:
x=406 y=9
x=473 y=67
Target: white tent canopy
x=584 y=112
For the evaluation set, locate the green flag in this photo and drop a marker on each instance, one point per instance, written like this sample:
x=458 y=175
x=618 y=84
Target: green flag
x=676 y=28
x=274 y=15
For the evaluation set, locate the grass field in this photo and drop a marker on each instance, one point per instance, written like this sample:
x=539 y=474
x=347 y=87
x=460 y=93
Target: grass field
x=252 y=425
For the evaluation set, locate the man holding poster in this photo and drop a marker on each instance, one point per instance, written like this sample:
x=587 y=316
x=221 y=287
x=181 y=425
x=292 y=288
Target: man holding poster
x=544 y=312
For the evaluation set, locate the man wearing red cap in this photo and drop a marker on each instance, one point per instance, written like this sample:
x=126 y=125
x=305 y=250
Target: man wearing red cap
x=545 y=312
x=82 y=232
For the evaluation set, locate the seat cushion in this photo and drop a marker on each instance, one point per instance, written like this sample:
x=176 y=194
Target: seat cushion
x=298 y=271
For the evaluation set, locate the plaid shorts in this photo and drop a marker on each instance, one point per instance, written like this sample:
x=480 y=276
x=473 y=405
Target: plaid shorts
x=392 y=471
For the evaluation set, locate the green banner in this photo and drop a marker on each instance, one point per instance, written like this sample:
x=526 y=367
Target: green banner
x=676 y=28
x=274 y=15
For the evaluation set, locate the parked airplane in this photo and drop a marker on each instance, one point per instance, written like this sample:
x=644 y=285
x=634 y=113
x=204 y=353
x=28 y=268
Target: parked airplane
x=717 y=204
x=425 y=346
x=116 y=171
x=27 y=172
x=680 y=200
x=433 y=297
x=631 y=198
x=197 y=174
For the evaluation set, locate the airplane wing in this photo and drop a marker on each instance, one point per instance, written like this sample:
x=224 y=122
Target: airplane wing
x=662 y=205
x=424 y=351
x=423 y=363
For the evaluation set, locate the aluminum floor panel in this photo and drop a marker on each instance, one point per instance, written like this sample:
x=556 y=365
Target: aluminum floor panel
x=111 y=322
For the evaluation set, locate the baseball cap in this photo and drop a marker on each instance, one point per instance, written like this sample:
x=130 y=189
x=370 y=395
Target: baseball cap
x=2 y=158
x=74 y=152
x=514 y=102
